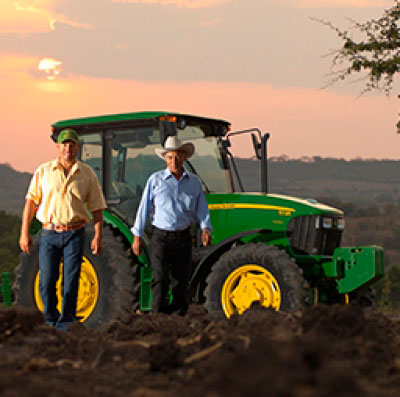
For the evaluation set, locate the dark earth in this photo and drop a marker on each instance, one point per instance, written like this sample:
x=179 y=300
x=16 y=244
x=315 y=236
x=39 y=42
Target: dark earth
x=325 y=351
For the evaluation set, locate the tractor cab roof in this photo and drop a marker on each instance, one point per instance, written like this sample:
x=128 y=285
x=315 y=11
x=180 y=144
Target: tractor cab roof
x=87 y=125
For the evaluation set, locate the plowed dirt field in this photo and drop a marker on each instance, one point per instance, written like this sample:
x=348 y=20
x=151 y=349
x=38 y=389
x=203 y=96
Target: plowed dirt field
x=325 y=351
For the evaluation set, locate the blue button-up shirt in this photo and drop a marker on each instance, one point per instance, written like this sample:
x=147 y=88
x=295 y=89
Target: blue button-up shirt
x=175 y=203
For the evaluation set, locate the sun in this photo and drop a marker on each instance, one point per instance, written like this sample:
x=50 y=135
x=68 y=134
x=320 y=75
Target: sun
x=51 y=67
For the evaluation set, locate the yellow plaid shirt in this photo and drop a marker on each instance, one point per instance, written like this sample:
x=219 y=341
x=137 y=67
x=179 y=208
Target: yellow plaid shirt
x=62 y=200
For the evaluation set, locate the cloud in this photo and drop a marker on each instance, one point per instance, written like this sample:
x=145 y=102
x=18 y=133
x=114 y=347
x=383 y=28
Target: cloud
x=295 y=3
x=17 y=16
x=266 y=41
x=30 y=16
x=178 y=3
x=210 y=22
x=339 y=3
x=253 y=40
x=38 y=74
x=302 y=121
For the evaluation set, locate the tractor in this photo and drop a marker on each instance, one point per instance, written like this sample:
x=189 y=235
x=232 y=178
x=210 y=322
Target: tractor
x=277 y=251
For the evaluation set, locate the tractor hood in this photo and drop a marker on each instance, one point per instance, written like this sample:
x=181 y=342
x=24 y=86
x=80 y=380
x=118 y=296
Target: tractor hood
x=282 y=205
x=308 y=227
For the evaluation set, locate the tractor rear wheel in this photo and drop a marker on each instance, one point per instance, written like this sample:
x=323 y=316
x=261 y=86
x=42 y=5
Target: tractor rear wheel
x=254 y=274
x=107 y=286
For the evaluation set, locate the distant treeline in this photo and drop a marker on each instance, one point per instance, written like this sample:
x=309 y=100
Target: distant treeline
x=361 y=182
x=337 y=169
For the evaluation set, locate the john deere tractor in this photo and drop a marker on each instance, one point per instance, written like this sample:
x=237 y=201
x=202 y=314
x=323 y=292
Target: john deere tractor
x=272 y=250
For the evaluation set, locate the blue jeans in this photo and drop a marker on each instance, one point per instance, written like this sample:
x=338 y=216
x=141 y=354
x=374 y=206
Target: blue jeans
x=53 y=247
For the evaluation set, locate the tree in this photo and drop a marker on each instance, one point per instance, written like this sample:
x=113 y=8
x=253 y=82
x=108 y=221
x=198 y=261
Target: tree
x=376 y=54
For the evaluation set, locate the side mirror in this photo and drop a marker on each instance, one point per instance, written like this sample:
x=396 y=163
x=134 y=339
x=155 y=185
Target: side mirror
x=225 y=144
x=256 y=145
x=167 y=128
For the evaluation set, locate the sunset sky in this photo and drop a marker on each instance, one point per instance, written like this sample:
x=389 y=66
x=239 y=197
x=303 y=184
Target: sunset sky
x=256 y=63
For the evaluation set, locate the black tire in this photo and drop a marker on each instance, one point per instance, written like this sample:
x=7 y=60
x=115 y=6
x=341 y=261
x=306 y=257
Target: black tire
x=115 y=271
x=364 y=297
x=287 y=274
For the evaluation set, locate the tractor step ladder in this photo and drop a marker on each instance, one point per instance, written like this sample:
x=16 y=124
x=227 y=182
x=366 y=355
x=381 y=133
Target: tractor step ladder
x=5 y=289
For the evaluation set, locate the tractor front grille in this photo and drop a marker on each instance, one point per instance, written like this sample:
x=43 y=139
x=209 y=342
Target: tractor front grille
x=308 y=235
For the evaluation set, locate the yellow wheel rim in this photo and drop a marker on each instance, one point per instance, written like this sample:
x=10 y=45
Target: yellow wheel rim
x=88 y=291
x=249 y=284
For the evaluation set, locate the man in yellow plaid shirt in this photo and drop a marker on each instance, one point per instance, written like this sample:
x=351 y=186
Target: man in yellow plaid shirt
x=58 y=193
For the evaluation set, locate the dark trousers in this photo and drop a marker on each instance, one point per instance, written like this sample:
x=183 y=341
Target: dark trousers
x=53 y=247
x=170 y=261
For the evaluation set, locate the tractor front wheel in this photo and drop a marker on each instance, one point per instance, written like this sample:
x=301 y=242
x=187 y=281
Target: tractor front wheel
x=254 y=273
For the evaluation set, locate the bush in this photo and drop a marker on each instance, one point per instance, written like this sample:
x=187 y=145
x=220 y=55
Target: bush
x=9 y=235
x=388 y=290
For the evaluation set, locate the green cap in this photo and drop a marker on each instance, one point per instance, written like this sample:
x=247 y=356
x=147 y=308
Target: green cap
x=68 y=135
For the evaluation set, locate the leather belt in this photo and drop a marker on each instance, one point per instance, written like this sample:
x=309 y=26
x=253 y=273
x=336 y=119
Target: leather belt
x=64 y=228
x=172 y=233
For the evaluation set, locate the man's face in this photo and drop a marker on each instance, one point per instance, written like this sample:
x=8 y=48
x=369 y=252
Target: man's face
x=68 y=150
x=175 y=160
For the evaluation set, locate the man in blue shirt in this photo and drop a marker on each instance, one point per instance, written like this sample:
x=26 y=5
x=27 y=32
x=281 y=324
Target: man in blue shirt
x=177 y=200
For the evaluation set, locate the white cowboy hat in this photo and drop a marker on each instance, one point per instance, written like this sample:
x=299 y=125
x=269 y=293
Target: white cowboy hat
x=174 y=143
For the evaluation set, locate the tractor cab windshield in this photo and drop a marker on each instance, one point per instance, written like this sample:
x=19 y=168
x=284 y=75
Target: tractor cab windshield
x=124 y=158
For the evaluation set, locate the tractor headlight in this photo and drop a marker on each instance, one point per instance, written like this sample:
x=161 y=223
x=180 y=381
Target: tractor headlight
x=339 y=222
x=327 y=223
x=324 y=222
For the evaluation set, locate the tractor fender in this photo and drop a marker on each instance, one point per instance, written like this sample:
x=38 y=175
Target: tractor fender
x=209 y=255
x=115 y=221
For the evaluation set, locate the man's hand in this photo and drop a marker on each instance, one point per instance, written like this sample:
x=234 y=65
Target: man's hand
x=25 y=242
x=97 y=245
x=206 y=237
x=137 y=246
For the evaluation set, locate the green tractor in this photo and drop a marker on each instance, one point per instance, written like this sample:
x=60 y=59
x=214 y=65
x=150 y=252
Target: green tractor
x=273 y=250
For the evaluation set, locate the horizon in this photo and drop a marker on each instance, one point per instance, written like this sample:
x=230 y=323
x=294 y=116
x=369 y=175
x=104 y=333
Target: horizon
x=275 y=159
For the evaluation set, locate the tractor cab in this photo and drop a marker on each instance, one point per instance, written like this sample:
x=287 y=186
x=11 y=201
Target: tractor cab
x=123 y=155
